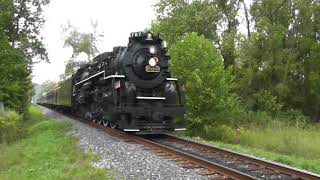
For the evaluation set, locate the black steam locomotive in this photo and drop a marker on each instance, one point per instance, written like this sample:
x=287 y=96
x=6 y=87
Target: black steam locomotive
x=130 y=88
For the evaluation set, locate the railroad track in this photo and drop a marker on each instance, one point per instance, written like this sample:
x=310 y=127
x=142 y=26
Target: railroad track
x=251 y=166
x=214 y=162
x=207 y=160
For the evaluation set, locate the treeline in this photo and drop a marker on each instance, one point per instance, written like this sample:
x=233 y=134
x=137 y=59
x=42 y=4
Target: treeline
x=270 y=56
x=20 y=43
x=20 y=24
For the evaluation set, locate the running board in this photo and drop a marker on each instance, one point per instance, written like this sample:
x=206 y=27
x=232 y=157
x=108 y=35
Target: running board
x=152 y=98
x=131 y=130
x=180 y=129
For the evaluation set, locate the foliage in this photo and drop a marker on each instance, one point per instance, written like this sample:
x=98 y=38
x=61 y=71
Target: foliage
x=216 y=20
x=22 y=23
x=209 y=86
x=10 y=126
x=281 y=56
x=266 y=101
x=46 y=87
x=80 y=42
x=15 y=83
x=186 y=18
x=275 y=62
x=20 y=41
x=47 y=153
x=13 y=126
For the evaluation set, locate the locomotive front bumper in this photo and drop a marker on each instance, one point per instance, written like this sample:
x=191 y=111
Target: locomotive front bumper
x=151 y=119
x=141 y=111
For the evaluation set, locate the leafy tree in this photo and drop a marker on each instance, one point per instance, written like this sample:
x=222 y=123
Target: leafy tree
x=80 y=42
x=20 y=24
x=275 y=62
x=15 y=83
x=216 y=20
x=176 y=18
x=46 y=87
x=210 y=98
x=281 y=55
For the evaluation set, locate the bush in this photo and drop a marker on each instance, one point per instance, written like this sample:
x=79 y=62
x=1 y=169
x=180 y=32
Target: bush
x=209 y=87
x=294 y=118
x=221 y=133
x=10 y=126
x=258 y=118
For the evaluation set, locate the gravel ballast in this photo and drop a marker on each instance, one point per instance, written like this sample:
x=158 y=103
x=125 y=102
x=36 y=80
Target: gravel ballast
x=126 y=160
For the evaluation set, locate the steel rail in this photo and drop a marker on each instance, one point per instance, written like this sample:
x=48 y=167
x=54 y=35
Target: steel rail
x=211 y=166
x=196 y=160
x=294 y=172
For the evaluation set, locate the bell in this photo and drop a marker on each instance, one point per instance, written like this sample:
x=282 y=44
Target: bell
x=149 y=37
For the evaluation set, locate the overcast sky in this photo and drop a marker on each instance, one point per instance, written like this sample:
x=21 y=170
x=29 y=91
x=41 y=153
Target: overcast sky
x=116 y=19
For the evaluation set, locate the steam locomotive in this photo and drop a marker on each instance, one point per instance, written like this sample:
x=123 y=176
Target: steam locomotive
x=129 y=88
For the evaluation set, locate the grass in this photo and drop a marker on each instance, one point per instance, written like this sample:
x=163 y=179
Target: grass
x=295 y=146
x=46 y=153
x=296 y=161
x=35 y=115
x=300 y=142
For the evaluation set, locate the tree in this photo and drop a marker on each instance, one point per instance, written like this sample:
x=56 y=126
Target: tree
x=275 y=62
x=176 y=18
x=281 y=55
x=20 y=24
x=15 y=83
x=46 y=87
x=210 y=98
x=22 y=27
x=216 y=20
x=80 y=42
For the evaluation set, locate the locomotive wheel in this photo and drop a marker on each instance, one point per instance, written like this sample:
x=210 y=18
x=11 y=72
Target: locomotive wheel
x=94 y=120
x=105 y=122
x=113 y=125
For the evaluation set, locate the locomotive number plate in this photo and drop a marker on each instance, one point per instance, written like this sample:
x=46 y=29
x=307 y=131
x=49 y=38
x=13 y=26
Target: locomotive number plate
x=152 y=68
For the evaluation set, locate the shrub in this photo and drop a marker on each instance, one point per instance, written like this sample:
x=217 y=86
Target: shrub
x=265 y=101
x=209 y=87
x=221 y=133
x=294 y=118
x=258 y=118
x=10 y=126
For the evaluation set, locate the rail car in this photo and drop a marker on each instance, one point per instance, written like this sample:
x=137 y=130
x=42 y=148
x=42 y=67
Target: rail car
x=129 y=88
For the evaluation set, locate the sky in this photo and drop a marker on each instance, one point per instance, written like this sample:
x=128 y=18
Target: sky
x=116 y=19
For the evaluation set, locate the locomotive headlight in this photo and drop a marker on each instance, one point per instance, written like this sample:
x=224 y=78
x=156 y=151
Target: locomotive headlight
x=153 y=61
x=152 y=50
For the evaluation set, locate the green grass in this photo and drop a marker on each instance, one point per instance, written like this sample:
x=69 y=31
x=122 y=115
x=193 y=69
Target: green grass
x=299 y=147
x=35 y=115
x=296 y=161
x=300 y=142
x=47 y=153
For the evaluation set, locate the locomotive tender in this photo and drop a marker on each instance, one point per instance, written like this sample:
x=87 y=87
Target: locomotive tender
x=130 y=88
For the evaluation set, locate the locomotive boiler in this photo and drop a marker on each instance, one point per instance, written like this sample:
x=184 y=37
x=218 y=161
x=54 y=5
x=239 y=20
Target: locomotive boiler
x=129 y=88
